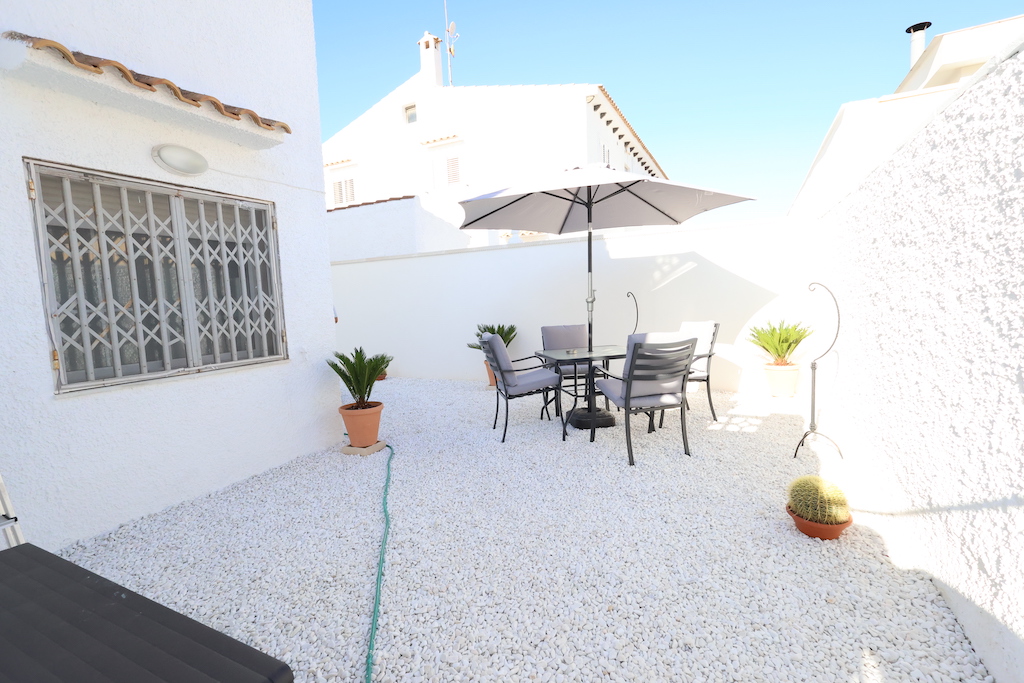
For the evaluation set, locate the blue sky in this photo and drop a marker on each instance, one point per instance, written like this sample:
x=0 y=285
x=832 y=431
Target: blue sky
x=729 y=95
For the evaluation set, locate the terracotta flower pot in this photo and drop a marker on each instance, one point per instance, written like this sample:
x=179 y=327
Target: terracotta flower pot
x=826 y=532
x=782 y=379
x=363 y=425
x=490 y=374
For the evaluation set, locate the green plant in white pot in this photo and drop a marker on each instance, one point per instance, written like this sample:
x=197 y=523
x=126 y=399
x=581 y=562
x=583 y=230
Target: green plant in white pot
x=779 y=342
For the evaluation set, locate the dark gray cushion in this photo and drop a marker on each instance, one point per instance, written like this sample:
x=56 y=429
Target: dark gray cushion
x=614 y=390
x=651 y=387
x=497 y=345
x=566 y=337
x=531 y=380
x=563 y=337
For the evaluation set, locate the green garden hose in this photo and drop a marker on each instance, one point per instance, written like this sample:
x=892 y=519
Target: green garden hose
x=380 y=570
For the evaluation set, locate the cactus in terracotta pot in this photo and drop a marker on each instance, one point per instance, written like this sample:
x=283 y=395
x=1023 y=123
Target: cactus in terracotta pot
x=817 y=500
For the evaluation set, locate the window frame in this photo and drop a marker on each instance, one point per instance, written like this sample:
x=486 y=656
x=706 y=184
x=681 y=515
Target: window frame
x=184 y=257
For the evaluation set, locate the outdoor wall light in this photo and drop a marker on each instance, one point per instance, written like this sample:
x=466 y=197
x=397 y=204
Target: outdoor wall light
x=180 y=160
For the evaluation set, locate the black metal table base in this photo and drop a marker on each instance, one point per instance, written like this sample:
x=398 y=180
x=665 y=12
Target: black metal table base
x=585 y=419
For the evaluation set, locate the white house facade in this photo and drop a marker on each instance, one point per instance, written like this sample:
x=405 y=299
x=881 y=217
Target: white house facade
x=164 y=317
x=393 y=176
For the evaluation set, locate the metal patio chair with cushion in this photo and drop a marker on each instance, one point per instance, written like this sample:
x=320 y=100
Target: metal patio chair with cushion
x=556 y=337
x=653 y=376
x=512 y=383
x=706 y=333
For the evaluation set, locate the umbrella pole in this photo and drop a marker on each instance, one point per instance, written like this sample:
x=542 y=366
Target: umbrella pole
x=590 y=270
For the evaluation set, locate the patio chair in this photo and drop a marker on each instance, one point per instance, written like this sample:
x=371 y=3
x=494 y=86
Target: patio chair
x=653 y=376
x=706 y=333
x=555 y=337
x=513 y=383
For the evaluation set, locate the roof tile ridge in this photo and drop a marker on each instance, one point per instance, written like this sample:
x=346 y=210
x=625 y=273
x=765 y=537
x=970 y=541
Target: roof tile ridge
x=630 y=127
x=94 y=64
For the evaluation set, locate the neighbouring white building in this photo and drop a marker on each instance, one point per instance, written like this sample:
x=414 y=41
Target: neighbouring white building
x=866 y=133
x=166 y=308
x=426 y=145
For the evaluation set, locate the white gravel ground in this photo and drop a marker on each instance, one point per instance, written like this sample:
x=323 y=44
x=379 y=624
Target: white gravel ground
x=542 y=560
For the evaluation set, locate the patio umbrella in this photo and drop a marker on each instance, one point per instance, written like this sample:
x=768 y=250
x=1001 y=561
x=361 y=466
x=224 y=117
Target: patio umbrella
x=589 y=199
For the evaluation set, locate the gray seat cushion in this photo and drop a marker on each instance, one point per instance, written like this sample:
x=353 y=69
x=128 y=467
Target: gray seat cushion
x=566 y=337
x=614 y=389
x=531 y=380
x=501 y=357
x=563 y=336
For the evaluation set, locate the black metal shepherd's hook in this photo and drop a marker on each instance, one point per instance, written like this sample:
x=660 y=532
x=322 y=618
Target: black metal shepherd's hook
x=814 y=372
x=637 y=323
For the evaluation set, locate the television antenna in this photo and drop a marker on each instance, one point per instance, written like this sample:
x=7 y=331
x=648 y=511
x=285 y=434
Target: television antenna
x=450 y=36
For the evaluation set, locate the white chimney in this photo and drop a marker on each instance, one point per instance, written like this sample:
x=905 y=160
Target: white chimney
x=917 y=41
x=430 y=58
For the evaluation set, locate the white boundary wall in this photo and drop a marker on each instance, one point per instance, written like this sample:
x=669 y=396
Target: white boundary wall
x=82 y=463
x=423 y=309
x=930 y=252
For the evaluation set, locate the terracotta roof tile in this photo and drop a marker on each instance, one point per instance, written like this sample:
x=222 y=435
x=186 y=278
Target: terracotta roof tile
x=447 y=137
x=95 y=65
x=630 y=127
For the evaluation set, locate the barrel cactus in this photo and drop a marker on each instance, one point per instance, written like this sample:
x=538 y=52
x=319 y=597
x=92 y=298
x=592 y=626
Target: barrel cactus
x=817 y=500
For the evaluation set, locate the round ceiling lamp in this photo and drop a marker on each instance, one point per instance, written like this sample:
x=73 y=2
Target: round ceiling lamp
x=180 y=160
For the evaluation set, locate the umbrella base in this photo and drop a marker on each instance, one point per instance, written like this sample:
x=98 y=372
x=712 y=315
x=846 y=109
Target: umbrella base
x=585 y=419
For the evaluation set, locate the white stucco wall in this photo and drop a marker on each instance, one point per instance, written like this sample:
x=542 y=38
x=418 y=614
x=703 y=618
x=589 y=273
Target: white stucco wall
x=425 y=308
x=930 y=255
x=79 y=464
x=394 y=228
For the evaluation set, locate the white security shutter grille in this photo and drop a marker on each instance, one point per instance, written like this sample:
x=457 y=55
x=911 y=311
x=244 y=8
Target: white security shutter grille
x=344 y=191
x=453 y=170
x=144 y=280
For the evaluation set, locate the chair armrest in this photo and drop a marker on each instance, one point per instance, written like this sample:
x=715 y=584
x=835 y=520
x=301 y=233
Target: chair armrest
x=703 y=355
x=543 y=363
x=602 y=371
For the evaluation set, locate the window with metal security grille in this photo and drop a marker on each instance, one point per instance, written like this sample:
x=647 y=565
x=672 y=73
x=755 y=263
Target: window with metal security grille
x=453 y=170
x=345 y=191
x=143 y=280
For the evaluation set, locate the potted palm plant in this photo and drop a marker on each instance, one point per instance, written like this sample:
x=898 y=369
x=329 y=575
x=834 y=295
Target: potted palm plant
x=359 y=372
x=779 y=342
x=507 y=334
x=818 y=507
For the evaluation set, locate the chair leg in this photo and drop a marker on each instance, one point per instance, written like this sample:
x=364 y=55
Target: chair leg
x=712 y=405
x=650 y=421
x=682 y=421
x=497 y=403
x=544 y=408
x=506 y=422
x=629 y=441
x=558 y=409
x=606 y=365
x=661 y=422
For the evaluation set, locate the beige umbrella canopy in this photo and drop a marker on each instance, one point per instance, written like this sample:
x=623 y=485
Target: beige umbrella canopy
x=588 y=199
